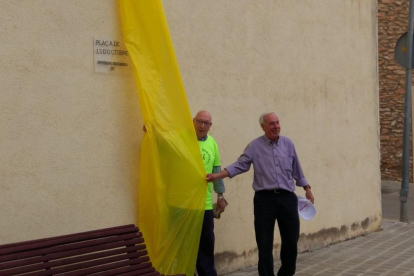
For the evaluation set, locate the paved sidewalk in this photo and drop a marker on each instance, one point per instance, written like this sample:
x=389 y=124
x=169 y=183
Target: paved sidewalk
x=386 y=252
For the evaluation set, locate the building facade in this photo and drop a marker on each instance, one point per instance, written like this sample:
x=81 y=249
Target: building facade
x=71 y=133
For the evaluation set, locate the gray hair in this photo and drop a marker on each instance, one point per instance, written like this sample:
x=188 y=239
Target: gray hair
x=261 y=119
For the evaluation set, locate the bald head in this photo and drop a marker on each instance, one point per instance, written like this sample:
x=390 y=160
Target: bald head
x=204 y=114
x=202 y=123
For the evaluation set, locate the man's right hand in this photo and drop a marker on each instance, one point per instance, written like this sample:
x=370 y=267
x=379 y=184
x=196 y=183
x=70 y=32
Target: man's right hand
x=211 y=177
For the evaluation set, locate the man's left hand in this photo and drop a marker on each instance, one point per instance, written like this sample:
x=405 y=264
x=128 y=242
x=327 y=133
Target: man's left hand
x=309 y=196
x=221 y=203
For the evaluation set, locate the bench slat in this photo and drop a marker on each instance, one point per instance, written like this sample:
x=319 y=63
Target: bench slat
x=125 y=269
x=155 y=273
x=107 y=267
x=146 y=271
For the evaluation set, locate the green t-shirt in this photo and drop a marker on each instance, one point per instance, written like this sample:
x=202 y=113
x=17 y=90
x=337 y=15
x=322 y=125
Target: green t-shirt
x=211 y=158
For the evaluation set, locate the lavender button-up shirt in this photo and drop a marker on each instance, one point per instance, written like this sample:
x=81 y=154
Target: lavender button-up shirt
x=275 y=164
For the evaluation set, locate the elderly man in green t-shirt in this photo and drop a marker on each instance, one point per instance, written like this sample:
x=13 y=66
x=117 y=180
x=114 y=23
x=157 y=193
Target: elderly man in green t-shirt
x=211 y=159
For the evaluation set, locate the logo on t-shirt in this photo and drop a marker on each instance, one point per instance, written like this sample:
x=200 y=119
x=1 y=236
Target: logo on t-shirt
x=206 y=156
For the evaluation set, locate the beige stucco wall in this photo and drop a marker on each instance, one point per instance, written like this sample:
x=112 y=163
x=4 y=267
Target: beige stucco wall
x=70 y=138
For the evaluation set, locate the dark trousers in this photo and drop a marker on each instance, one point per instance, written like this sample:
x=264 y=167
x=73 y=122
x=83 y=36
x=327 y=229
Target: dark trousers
x=205 y=258
x=282 y=206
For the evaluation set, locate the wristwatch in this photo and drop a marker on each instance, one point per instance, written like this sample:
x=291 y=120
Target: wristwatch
x=307 y=186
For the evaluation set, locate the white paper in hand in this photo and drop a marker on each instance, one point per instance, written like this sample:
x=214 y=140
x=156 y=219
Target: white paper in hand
x=305 y=208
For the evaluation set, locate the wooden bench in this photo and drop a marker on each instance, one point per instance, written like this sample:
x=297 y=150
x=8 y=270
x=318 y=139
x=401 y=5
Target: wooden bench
x=111 y=251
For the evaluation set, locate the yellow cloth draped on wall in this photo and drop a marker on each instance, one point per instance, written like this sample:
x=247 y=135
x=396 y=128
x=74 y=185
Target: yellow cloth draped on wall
x=172 y=187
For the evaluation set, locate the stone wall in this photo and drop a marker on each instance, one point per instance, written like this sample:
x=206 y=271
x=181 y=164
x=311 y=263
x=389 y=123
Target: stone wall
x=392 y=23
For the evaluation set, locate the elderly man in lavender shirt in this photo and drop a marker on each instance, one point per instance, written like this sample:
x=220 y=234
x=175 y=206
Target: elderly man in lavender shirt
x=276 y=167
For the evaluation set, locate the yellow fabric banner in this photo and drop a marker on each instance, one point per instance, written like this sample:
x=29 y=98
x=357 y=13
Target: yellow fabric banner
x=172 y=187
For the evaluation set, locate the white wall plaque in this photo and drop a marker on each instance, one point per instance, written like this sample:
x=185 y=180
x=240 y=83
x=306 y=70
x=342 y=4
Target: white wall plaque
x=110 y=56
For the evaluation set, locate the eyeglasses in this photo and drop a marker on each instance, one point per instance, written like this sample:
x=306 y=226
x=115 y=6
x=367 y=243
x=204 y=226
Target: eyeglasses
x=200 y=122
